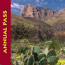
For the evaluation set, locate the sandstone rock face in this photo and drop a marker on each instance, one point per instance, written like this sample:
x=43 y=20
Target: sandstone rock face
x=29 y=11
x=37 y=12
x=61 y=11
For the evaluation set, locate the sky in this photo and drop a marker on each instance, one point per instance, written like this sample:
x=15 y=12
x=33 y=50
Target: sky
x=16 y=5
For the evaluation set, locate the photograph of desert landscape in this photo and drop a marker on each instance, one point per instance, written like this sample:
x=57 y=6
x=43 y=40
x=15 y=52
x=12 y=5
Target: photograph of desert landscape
x=37 y=32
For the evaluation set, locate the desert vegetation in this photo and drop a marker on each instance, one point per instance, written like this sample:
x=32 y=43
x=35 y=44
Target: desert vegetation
x=34 y=42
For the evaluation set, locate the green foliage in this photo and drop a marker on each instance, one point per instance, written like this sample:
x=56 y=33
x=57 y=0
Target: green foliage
x=12 y=61
x=20 y=31
x=12 y=51
x=24 y=41
x=31 y=60
x=56 y=44
x=43 y=61
x=52 y=60
x=26 y=61
x=17 y=62
x=22 y=49
x=51 y=53
x=36 y=49
x=41 y=55
x=63 y=51
x=29 y=28
x=35 y=58
x=13 y=46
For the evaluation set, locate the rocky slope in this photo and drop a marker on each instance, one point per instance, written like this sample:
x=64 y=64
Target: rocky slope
x=28 y=27
x=51 y=17
x=58 y=21
x=37 y=12
x=35 y=20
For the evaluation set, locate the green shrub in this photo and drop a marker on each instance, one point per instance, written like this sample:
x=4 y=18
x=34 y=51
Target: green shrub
x=24 y=41
x=22 y=49
x=51 y=53
x=54 y=44
x=37 y=58
x=41 y=55
x=12 y=61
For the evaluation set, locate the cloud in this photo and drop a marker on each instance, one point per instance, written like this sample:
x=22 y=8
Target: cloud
x=15 y=5
x=15 y=10
x=60 y=0
x=41 y=2
x=37 y=1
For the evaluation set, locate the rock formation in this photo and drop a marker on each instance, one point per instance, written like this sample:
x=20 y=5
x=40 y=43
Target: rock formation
x=37 y=12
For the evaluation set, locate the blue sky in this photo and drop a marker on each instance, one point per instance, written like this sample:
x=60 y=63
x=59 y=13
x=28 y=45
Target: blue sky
x=16 y=5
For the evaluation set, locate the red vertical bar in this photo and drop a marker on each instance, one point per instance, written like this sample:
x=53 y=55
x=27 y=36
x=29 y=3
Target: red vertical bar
x=5 y=58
